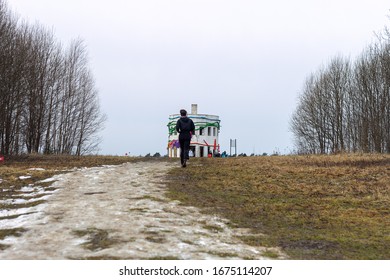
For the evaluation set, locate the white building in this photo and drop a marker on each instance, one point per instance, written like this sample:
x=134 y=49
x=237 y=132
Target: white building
x=205 y=141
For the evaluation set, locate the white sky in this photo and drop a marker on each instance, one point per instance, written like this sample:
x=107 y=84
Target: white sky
x=244 y=60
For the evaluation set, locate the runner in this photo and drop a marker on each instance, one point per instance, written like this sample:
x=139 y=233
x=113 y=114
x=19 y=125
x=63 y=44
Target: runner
x=186 y=128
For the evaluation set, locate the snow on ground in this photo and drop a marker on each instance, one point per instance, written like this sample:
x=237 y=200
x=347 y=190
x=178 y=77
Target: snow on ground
x=118 y=212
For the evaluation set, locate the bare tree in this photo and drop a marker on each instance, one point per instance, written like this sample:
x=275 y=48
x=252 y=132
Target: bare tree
x=12 y=53
x=345 y=108
x=48 y=98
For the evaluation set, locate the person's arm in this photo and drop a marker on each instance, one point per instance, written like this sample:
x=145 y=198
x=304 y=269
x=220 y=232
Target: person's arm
x=178 y=126
x=192 y=128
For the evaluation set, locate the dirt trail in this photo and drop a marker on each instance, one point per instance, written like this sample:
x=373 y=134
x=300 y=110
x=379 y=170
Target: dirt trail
x=120 y=212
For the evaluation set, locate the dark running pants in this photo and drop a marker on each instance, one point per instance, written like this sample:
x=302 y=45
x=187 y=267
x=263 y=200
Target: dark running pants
x=184 y=149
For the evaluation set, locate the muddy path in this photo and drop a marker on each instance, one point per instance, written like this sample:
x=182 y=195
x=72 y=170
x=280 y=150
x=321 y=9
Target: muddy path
x=119 y=212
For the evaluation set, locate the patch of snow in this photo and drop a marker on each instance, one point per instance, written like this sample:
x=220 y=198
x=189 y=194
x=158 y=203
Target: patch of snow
x=15 y=201
x=29 y=188
x=19 y=211
x=24 y=177
x=9 y=240
x=39 y=191
x=21 y=221
x=48 y=180
x=37 y=169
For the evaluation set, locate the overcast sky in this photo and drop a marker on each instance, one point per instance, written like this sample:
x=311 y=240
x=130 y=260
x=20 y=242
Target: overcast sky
x=244 y=60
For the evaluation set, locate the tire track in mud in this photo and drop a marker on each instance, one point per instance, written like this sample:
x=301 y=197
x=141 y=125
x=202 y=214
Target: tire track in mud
x=121 y=212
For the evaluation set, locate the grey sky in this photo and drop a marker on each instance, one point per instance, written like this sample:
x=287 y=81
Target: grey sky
x=244 y=60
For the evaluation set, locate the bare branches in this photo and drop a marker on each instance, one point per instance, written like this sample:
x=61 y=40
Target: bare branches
x=346 y=108
x=48 y=100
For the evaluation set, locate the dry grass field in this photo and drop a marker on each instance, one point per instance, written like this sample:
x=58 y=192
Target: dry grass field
x=313 y=207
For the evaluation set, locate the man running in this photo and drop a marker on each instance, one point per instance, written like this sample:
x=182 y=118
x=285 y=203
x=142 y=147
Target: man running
x=186 y=128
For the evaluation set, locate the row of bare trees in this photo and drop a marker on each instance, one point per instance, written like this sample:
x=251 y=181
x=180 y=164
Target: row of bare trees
x=345 y=106
x=48 y=100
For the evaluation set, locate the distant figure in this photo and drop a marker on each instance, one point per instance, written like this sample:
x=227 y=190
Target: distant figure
x=186 y=128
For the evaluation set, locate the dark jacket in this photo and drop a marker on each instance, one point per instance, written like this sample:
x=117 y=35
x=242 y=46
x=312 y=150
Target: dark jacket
x=185 y=126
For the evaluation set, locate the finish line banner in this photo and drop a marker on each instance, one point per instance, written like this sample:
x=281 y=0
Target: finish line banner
x=231 y=269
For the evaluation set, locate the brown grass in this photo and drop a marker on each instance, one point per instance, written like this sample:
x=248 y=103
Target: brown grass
x=313 y=207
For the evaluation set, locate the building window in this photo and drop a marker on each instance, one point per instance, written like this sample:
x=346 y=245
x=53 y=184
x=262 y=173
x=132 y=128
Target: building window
x=201 y=131
x=209 y=131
